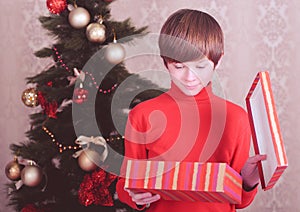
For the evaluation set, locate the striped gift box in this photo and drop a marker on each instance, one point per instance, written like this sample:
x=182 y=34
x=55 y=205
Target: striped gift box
x=266 y=133
x=185 y=181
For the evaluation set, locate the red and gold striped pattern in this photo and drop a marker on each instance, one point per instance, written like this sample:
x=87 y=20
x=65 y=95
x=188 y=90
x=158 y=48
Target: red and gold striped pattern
x=185 y=181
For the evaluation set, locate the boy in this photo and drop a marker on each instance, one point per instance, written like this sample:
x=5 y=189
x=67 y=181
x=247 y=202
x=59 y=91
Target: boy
x=190 y=123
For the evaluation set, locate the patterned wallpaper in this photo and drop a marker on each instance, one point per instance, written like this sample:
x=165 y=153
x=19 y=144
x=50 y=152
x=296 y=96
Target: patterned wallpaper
x=259 y=35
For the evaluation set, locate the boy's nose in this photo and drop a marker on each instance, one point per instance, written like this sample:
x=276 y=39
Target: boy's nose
x=190 y=75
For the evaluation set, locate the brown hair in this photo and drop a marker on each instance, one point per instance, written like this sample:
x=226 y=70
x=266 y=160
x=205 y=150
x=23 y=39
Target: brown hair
x=191 y=34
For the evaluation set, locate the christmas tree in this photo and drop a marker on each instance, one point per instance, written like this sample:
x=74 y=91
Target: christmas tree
x=78 y=102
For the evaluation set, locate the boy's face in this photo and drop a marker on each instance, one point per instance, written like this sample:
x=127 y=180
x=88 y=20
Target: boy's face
x=192 y=76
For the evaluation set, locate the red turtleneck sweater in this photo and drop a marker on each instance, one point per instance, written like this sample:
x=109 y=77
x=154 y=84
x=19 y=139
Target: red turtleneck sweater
x=176 y=127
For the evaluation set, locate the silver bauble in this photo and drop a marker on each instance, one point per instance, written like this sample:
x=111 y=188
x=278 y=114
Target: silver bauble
x=95 y=32
x=79 y=17
x=115 y=53
x=31 y=175
x=86 y=160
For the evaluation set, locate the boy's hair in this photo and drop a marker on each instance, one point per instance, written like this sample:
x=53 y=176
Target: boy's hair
x=191 y=34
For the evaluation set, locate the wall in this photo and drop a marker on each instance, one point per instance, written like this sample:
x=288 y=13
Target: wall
x=259 y=35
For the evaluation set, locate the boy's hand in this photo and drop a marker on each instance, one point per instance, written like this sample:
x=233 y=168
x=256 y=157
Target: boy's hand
x=143 y=198
x=250 y=172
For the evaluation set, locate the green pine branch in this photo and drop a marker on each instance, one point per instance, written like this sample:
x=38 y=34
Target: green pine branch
x=64 y=178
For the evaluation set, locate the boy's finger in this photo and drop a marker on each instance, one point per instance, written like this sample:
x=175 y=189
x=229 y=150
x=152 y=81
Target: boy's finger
x=257 y=158
x=142 y=195
x=148 y=200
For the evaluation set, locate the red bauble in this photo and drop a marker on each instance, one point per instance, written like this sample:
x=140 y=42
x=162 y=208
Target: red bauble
x=80 y=95
x=56 y=6
x=33 y=208
x=30 y=208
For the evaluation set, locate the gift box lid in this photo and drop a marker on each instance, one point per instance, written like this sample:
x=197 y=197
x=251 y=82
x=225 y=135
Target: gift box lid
x=266 y=133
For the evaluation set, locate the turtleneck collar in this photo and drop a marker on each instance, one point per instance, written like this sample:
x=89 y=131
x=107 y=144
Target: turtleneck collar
x=204 y=95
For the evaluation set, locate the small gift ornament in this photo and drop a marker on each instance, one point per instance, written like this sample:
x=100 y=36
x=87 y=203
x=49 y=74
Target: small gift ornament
x=94 y=151
x=80 y=94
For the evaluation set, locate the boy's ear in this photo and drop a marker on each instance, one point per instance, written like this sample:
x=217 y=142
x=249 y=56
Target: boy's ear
x=219 y=62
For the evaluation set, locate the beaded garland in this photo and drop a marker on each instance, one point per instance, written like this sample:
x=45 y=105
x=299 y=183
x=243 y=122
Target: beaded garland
x=51 y=135
x=59 y=59
x=74 y=147
x=59 y=145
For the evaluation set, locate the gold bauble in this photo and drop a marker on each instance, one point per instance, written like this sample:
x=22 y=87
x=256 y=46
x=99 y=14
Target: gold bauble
x=31 y=175
x=79 y=17
x=115 y=53
x=29 y=97
x=95 y=32
x=86 y=160
x=13 y=170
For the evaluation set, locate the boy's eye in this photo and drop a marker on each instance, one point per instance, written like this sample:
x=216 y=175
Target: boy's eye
x=178 y=66
x=200 y=66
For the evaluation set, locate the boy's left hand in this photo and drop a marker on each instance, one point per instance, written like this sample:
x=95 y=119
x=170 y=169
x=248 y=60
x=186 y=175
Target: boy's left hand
x=250 y=172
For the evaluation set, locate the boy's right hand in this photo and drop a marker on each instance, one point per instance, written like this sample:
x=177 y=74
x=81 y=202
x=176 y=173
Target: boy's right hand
x=145 y=198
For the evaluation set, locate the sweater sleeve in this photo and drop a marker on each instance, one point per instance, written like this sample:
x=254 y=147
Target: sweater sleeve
x=134 y=149
x=241 y=155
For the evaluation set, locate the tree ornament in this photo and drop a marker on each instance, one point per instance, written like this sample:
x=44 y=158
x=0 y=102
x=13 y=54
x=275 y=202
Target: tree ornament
x=30 y=97
x=115 y=52
x=31 y=175
x=77 y=75
x=85 y=162
x=56 y=6
x=13 y=170
x=30 y=208
x=95 y=32
x=50 y=108
x=79 y=17
x=94 y=151
x=94 y=188
x=80 y=95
